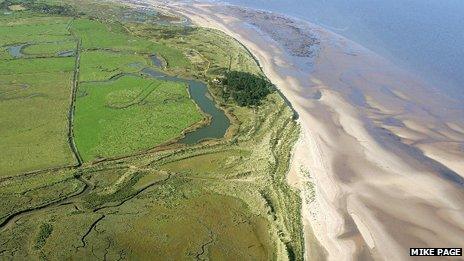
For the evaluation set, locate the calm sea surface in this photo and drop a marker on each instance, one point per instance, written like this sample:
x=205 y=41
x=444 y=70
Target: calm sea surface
x=424 y=36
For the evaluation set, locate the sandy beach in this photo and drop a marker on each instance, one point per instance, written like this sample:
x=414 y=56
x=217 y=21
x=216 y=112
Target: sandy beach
x=380 y=159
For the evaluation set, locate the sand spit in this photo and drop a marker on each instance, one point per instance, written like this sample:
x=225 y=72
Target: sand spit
x=379 y=161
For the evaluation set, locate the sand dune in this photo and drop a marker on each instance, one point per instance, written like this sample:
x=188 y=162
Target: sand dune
x=384 y=155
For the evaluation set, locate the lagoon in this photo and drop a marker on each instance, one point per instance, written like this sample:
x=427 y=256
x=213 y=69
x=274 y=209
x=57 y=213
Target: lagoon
x=198 y=91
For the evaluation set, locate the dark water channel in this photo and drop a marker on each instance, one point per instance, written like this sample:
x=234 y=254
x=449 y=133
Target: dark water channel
x=158 y=62
x=15 y=50
x=67 y=53
x=199 y=93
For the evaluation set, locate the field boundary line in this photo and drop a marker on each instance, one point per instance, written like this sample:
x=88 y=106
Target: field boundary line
x=72 y=106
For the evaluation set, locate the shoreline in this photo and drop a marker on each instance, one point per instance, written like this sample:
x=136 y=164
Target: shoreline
x=369 y=186
x=306 y=219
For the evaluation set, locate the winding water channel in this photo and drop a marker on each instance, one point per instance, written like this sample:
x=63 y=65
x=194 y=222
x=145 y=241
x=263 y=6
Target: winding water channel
x=198 y=90
x=199 y=93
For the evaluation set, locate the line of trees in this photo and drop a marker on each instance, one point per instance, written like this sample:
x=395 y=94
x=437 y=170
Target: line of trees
x=246 y=89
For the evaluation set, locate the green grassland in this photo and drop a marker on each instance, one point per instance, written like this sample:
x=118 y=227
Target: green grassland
x=36 y=66
x=101 y=65
x=121 y=116
x=34 y=99
x=229 y=200
x=33 y=120
x=30 y=192
x=223 y=200
x=49 y=49
x=204 y=48
x=24 y=31
x=96 y=35
x=114 y=36
x=130 y=114
x=4 y=54
x=99 y=59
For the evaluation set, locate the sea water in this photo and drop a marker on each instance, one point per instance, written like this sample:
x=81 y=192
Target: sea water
x=426 y=37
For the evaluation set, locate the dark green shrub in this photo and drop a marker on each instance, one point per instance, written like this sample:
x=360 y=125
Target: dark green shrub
x=246 y=89
x=45 y=231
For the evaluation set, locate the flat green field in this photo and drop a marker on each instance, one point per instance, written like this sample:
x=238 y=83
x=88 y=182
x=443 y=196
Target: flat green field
x=4 y=54
x=210 y=52
x=113 y=36
x=36 y=66
x=130 y=114
x=47 y=29
x=96 y=35
x=225 y=199
x=127 y=114
x=101 y=65
x=34 y=99
x=33 y=123
x=50 y=49
x=102 y=128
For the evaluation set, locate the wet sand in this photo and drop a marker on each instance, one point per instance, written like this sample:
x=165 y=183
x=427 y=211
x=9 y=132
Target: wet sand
x=384 y=150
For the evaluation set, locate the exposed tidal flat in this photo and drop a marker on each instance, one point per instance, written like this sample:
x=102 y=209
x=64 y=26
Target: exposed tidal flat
x=376 y=167
x=379 y=161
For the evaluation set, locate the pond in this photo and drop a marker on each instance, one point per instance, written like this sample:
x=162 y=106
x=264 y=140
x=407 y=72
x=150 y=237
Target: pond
x=157 y=61
x=199 y=93
x=67 y=53
x=15 y=50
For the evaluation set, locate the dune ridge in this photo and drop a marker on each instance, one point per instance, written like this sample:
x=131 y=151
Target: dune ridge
x=374 y=163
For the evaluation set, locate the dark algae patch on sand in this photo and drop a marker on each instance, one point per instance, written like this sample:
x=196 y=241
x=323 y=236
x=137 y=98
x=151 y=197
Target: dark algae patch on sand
x=136 y=195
